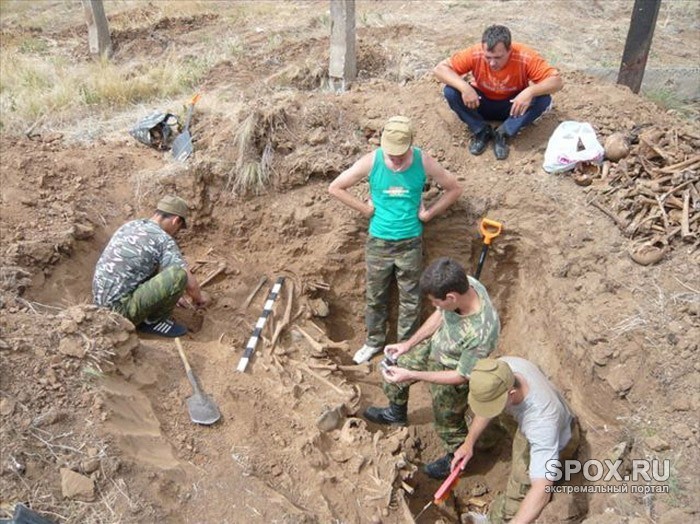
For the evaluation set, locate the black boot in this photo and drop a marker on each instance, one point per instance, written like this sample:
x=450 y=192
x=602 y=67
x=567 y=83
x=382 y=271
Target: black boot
x=393 y=414
x=500 y=146
x=481 y=140
x=440 y=468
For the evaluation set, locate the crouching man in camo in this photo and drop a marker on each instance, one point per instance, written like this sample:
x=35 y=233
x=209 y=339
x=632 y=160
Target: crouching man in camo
x=141 y=274
x=547 y=431
x=463 y=328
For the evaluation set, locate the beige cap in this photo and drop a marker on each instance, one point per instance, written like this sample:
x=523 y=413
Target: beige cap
x=489 y=383
x=397 y=135
x=175 y=206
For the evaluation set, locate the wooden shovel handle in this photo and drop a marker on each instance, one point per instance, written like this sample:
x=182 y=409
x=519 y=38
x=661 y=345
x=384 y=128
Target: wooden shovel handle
x=182 y=355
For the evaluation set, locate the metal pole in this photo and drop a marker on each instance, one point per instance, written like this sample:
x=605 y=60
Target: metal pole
x=641 y=31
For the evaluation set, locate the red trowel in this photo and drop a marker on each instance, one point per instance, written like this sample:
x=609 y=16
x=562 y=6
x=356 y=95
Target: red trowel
x=446 y=487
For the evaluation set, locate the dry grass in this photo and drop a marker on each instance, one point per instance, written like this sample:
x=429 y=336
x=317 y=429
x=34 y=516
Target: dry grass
x=254 y=143
x=41 y=78
x=31 y=86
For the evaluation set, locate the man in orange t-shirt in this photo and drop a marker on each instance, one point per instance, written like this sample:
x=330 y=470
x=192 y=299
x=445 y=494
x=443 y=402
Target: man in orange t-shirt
x=511 y=83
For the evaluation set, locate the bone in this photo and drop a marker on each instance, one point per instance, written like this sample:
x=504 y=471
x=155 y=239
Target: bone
x=317 y=347
x=685 y=219
x=321 y=378
x=622 y=224
x=680 y=165
x=363 y=368
x=213 y=274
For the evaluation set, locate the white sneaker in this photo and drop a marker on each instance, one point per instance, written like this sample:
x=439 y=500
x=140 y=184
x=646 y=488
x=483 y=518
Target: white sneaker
x=477 y=518
x=365 y=353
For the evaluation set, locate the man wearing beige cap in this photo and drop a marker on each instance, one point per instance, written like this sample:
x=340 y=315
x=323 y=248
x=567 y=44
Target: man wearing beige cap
x=547 y=431
x=397 y=173
x=141 y=274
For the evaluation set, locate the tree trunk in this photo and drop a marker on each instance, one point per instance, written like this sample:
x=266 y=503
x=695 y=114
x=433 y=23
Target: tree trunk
x=98 y=28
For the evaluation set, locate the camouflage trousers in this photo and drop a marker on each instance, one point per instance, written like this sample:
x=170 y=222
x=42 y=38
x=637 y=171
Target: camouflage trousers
x=449 y=401
x=155 y=298
x=386 y=259
x=505 y=505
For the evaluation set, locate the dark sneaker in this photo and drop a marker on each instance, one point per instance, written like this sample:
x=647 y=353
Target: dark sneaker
x=439 y=469
x=393 y=414
x=481 y=140
x=162 y=328
x=500 y=146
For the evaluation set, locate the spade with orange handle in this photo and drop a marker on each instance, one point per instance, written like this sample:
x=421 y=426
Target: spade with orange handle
x=489 y=229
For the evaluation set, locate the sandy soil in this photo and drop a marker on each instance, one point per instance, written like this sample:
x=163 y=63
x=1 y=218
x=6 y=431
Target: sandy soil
x=79 y=390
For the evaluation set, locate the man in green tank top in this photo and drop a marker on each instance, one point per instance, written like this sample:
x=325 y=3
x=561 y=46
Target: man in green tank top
x=397 y=173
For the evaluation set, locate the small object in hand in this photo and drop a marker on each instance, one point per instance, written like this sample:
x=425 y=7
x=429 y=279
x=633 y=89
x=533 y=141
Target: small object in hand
x=387 y=362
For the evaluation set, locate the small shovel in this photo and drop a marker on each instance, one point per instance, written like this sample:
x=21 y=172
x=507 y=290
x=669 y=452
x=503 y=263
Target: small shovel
x=202 y=408
x=182 y=145
x=490 y=229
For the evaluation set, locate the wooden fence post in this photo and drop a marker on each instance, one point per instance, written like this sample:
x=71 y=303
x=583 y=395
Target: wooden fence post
x=98 y=28
x=342 y=68
x=641 y=31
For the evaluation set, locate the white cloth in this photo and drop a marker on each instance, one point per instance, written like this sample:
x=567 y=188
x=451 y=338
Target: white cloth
x=543 y=416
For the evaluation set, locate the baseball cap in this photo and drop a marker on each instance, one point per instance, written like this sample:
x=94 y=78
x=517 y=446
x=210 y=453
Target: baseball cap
x=397 y=135
x=175 y=206
x=489 y=383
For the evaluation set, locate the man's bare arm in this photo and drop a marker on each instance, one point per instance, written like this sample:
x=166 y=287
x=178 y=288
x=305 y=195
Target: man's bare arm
x=451 y=188
x=348 y=178
x=533 y=503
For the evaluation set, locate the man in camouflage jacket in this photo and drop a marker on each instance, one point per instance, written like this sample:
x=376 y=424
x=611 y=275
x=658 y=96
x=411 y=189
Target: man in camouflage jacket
x=141 y=274
x=463 y=329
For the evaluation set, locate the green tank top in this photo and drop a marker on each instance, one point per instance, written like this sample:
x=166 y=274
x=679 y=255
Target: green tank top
x=396 y=198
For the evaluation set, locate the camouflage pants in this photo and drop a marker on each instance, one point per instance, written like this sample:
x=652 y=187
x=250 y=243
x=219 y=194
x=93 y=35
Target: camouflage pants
x=385 y=258
x=506 y=505
x=155 y=298
x=449 y=402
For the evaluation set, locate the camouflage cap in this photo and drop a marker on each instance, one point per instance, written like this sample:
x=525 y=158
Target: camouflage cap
x=489 y=383
x=175 y=206
x=397 y=135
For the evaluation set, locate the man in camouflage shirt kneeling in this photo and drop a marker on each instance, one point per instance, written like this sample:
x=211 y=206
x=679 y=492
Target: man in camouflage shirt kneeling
x=141 y=274
x=463 y=329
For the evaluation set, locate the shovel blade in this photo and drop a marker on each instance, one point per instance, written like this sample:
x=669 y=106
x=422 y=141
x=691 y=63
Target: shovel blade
x=182 y=146
x=202 y=409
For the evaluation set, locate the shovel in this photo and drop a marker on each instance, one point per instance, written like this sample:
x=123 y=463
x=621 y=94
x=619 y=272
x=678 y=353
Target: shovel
x=202 y=408
x=490 y=229
x=182 y=145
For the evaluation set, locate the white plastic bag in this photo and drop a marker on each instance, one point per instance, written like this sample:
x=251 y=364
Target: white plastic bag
x=571 y=143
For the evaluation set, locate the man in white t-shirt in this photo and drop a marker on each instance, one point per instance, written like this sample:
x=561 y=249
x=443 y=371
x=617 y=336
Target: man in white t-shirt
x=547 y=430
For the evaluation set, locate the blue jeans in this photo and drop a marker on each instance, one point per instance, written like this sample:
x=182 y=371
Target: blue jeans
x=495 y=110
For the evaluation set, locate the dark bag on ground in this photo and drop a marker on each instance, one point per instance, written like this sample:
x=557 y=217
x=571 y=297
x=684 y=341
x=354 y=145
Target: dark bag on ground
x=155 y=130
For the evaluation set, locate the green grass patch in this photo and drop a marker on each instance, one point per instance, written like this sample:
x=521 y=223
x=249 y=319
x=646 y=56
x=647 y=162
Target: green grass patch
x=669 y=100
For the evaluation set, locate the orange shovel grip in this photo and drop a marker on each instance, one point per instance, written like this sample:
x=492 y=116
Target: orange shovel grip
x=490 y=229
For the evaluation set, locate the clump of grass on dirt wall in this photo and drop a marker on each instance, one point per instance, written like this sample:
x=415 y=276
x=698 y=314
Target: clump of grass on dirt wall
x=254 y=142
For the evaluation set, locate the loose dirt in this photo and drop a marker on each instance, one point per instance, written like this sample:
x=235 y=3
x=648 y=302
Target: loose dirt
x=80 y=390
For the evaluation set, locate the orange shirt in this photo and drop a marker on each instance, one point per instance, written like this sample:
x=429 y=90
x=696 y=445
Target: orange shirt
x=524 y=65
